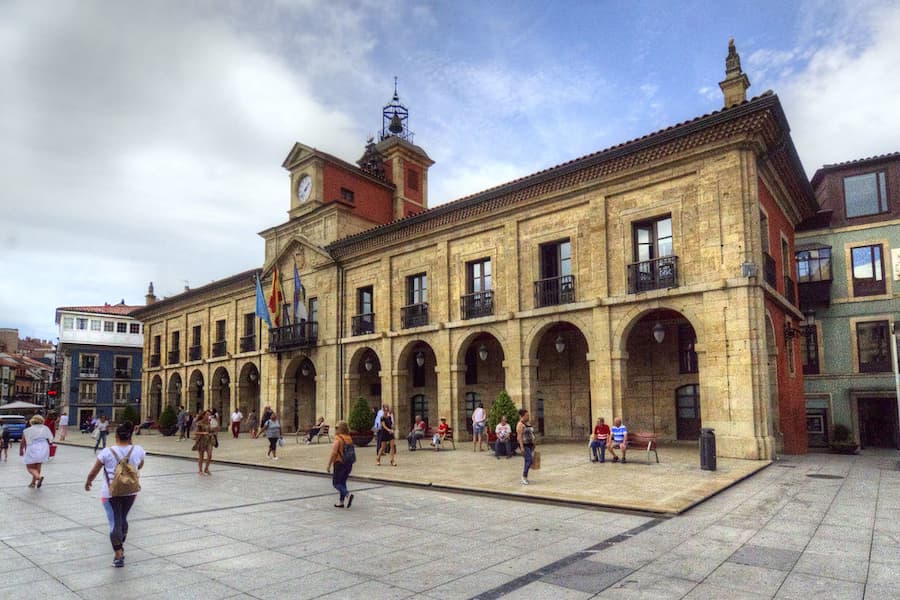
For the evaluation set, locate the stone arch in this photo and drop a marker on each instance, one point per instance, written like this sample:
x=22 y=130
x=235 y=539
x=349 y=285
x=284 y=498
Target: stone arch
x=173 y=390
x=560 y=380
x=480 y=374
x=155 y=394
x=630 y=319
x=297 y=409
x=656 y=365
x=196 y=390
x=534 y=337
x=365 y=377
x=220 y=392
x=414 y=380
x=248 y=389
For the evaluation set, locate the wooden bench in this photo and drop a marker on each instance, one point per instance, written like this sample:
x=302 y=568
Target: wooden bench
x=638 y=441
x=324 y=431
x=429 y=433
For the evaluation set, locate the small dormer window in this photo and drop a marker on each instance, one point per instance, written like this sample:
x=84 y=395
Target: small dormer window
x=347 y=195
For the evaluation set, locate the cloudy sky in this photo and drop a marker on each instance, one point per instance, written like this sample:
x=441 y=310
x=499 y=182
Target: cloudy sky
x=143 y=140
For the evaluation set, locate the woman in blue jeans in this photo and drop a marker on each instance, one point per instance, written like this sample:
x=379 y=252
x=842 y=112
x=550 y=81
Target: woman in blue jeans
x=341 y=469
x=525 y=435
x=102 y=428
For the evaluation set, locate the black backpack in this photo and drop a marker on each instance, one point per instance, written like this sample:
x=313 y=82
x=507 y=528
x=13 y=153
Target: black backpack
x=349 y=453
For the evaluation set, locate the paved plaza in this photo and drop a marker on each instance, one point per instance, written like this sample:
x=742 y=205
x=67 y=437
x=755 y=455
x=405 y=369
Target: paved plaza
x=818 y=526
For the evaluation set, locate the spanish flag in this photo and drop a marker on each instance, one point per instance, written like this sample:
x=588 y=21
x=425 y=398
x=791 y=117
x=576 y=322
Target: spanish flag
x=276 y=299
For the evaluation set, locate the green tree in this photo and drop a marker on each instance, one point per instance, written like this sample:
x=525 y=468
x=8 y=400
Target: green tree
x=503 y=405
x=362 y=417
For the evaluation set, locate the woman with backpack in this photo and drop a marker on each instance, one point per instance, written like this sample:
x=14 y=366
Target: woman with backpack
x=343 y=455
x=120 y=464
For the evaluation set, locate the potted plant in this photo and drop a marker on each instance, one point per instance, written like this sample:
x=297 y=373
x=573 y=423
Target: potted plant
x=168 y=421
x=129 y=414
x=503 y=405
x=360 y=422
x=842 y=441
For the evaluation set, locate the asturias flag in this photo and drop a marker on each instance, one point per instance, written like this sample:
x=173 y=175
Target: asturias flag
x=262 y=311
x=299 y=307
x=276 y=299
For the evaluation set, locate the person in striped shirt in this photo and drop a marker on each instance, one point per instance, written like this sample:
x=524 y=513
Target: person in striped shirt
x=619 y=439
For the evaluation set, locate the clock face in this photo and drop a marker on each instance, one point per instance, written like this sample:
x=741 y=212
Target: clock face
x=304 y=188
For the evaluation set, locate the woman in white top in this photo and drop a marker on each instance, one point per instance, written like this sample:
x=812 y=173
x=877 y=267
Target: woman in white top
x=117 y=507
x=63 y=426
x=37 y=439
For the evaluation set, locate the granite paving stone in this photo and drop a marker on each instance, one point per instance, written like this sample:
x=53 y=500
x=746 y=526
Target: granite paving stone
x=762 y=556
x=800 y=586
x=586 y=576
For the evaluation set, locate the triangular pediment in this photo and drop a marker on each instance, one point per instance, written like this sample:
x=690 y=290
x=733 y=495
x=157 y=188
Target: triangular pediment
x=298 y=154
x=307 y=255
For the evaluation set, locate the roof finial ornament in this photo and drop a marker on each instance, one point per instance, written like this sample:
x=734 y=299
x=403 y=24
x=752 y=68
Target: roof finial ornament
x=734 y=86
x=396 y=95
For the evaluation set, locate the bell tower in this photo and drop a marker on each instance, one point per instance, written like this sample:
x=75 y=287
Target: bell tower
x=405 y=164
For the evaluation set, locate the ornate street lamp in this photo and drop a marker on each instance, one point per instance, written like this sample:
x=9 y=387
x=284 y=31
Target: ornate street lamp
x=420 y=358
x=369 y=364
x=560 y=344
x=659 y=332
x=304 y=370
x=482 y=352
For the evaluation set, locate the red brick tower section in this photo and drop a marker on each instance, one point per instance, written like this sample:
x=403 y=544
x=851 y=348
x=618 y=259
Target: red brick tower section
x=406 y=166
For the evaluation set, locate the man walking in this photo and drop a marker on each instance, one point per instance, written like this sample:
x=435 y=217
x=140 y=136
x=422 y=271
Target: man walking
x=236 y=417
x=182 y=422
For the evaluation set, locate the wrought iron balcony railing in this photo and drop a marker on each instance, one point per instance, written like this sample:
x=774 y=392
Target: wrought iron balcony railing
x=790 y=290
x=657 y=274
x=554 y=290
x=769 y=270
x=89 y=372
x=122 y=374
x=194 y=353
x=477 y=304
x=248 y=343
x=290 y=337
x=414 y=315
x=154 y=360
x=219 y=348
x=363 y=324
x=174 y=357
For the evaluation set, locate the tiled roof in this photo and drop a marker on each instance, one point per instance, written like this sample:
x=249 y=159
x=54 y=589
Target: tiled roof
x=117 y=310
x=817 y=177
x=243 y=278
x=761 y=115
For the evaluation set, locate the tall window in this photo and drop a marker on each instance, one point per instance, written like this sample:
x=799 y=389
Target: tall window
x=814 y=265
x=196 y=333
x=122 y=365
x=87 y=391
x=220 y=330
x=872 y=345
x=157 y=344
x=121 y=392
x=420 y=407
x=556 y=259
x=249 y=324
x=687 y=357
x=868 y=271
x=313 y=309
x=176 y=341
x=417 y=289
x=865 y=195
x=809 y=351
x=478 y=276
x=653 y=239
x=364 y=305
x=764 y=231
x=472 y=366
x=88 y=361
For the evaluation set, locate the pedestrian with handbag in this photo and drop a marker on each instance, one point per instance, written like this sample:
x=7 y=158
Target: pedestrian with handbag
x=343 y=455
x=272 y=429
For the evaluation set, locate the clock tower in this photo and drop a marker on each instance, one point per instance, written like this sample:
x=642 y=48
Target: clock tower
x=404 y=164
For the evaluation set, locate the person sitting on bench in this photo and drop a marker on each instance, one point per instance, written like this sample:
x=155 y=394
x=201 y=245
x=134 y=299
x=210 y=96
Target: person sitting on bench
x=314 y=430
x=147 y=424
x=619 y=439
x=417 y=433
x=504 y=432
x=440 y=434
x=599 y=441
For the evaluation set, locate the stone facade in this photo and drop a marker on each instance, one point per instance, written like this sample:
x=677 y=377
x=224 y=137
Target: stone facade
x=578 y=318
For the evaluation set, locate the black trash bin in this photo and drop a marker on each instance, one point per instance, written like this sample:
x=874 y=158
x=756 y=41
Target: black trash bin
x=708 y=449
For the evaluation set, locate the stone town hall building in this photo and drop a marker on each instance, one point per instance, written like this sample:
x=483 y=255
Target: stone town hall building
x=653 y=280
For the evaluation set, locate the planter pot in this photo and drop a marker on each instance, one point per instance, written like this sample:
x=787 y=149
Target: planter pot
x=167 y=431
x=361 y=438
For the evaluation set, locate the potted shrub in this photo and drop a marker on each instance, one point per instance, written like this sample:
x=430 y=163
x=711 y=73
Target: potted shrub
x=842 y=440
x=503 y=405
x=129 y=414
x=360 y=422
x=168 y=421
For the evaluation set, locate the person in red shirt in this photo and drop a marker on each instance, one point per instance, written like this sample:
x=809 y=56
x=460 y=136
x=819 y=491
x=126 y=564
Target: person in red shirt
x=441 y=434
x=600 y=438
